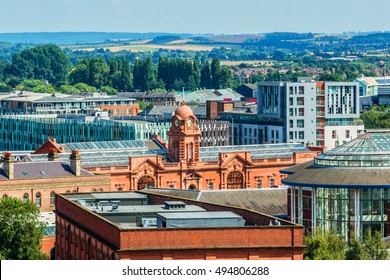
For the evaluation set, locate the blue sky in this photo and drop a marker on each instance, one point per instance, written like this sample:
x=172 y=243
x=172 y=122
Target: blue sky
x=189 y=16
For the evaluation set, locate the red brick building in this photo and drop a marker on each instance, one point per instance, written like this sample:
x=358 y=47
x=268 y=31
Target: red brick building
x=85 y=229
x=182 y=163
x=40 y=181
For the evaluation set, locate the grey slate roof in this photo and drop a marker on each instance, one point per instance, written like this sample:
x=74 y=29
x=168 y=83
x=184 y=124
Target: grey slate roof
x=40 y=170
x=268 y=201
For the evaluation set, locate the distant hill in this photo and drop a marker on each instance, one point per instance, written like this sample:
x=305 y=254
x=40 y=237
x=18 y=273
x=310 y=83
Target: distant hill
x=73 y=38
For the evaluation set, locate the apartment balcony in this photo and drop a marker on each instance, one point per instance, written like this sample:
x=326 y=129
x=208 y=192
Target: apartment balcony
x=320 y=103
x=320 y=137
x=320 y=93
x=320 y=114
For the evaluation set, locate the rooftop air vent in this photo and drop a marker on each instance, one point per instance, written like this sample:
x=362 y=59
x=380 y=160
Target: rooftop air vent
x=174 y=205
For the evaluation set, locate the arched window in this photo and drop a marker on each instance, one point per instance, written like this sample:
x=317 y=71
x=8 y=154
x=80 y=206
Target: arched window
x=235 y=180
x=38 y=199
x=192 y=187
x=52 y=198
x=145 y=182
x=25 y=197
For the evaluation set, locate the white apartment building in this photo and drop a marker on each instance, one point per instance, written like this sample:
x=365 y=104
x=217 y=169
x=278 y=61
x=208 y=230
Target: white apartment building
x=315 y=113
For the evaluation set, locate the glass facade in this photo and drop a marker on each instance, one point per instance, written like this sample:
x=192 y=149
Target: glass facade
x=24 y=133
x=337 y=210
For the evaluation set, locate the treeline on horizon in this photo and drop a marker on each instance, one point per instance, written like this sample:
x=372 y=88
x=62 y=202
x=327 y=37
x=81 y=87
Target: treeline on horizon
x=48 y=69
x=27 y=67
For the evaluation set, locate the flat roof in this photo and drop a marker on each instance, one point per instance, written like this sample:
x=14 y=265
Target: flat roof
x=200 y=215
x=133 y=209
x=118 y=195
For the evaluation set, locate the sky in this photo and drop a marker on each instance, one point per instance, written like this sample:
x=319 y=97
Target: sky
x=195 y=16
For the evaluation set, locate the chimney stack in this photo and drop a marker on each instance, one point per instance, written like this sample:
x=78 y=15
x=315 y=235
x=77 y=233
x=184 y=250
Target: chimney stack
x=8 y=165
x=52 y=156
x=75 y=164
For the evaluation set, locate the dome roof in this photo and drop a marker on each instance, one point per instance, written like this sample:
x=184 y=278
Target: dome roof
x=184 y=111
x=370 y=149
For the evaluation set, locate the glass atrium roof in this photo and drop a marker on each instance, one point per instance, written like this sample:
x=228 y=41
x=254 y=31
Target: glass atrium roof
x=108 y=145
x=117 y=153
x=370 y=149
x=257 y=151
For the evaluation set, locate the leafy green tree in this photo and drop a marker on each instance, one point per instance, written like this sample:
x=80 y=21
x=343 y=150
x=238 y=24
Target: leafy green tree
x=47 y=62
x=68 y=89
x=109 y=90
x=144 y=77
x=20 y=230
x=374 y=246
x=355 y=250
x=29 y=84
x=142 y=104
x=324 y=246
x=82 y=87
x=376 y=117
x=4 y=87
x=43 y=88
x=330 y=77
x=196 y=73
x=93 y=71
x=225 y=77
x=205 y=75
x=216 y=73
x=120 y=76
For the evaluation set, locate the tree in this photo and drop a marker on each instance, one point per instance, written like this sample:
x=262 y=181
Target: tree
x=216 y=73
x=355 y=250
x=4 y=87
x=82 y=87
x=225 y=77
x=20 y=230
x=109 y=90
x=92 y=71
x=47 y=62
x=120 y=77
x=374 y=246
x=324 y=246
x=143 y=75
x=68 y=89
x=205 y=75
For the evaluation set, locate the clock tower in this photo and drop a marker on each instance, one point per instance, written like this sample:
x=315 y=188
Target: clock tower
x=184 y=135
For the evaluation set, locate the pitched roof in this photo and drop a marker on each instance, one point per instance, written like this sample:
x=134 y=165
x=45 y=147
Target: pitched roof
x=41 y=170
x=268 y=201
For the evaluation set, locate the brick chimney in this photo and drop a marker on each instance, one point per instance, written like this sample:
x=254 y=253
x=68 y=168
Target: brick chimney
x=8 y=165
x=52 y=155
x=75 y=164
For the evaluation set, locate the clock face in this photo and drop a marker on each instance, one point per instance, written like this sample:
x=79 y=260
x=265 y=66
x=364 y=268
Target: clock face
x=176 y=122
x=189 y=122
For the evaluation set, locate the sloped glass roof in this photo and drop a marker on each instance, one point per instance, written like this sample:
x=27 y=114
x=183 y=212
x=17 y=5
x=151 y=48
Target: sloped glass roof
x=370 y=149
x=107 y=145
x=257 y=151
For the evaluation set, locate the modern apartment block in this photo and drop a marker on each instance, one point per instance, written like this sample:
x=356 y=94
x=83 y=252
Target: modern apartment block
x=315 y=113
x=37 y=103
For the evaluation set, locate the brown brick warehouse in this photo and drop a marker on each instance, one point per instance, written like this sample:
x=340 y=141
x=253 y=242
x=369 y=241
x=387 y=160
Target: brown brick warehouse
x=89 y=232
